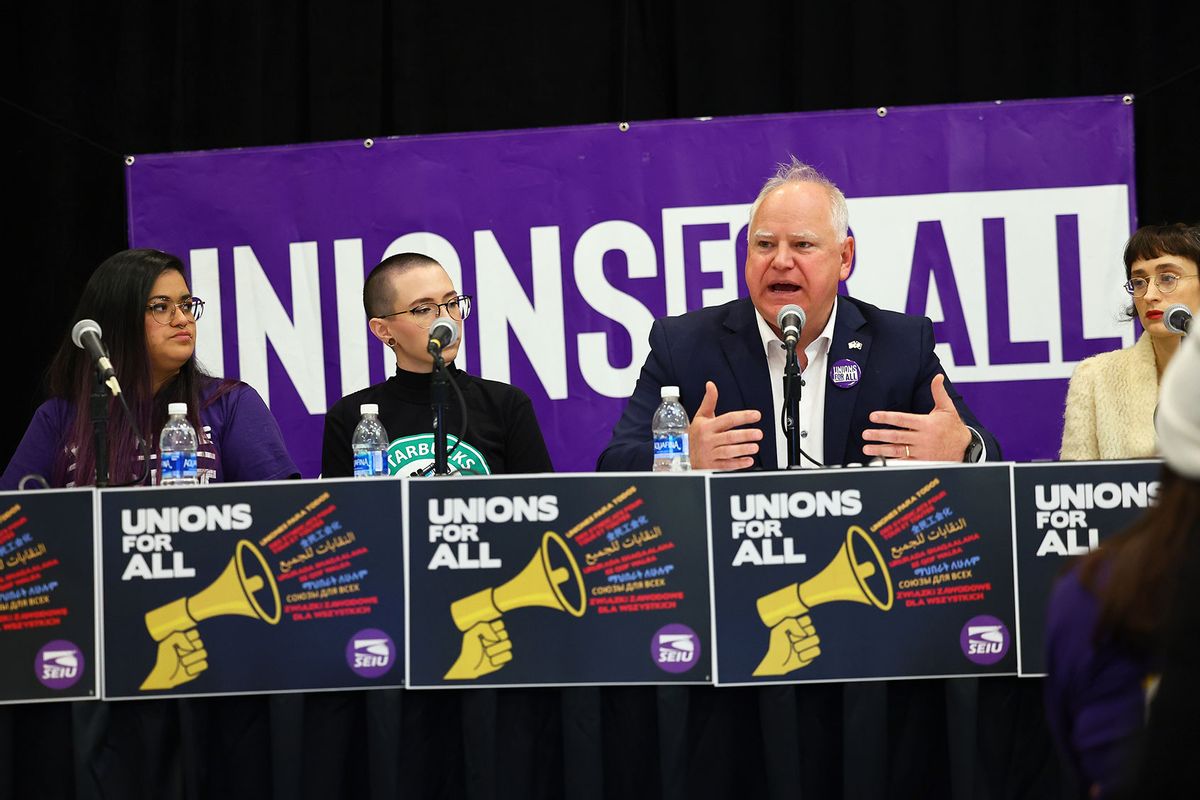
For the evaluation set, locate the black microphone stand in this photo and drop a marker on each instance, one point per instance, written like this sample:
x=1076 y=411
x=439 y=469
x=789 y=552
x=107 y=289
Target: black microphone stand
x=437 y=397
x=791 y=405
x=99 y=409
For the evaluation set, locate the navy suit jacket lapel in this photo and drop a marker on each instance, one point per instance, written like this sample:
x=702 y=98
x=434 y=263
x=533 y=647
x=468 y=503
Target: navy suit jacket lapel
x=840 y=403
x=743 y=349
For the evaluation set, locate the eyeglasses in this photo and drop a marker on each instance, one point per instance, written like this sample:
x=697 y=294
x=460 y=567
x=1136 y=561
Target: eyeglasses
x=423 y=315
x=163 y=311
x=1165 y=282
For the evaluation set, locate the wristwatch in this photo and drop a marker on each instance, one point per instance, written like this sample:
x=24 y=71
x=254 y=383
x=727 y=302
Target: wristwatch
x=974 y=452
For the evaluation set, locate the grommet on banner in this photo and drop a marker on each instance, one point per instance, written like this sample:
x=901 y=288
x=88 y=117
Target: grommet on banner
x=622 y=127
x=129 y=161
x=881 y=112
x=1127 y=99
x=368 y=143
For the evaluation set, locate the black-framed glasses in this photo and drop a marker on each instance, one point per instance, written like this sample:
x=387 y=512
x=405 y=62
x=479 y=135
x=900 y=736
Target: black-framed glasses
x=458 y=308
x=1165 y=282
x=163 y=311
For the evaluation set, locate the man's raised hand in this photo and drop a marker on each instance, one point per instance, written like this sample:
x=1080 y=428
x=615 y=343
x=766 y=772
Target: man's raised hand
x=719 y=441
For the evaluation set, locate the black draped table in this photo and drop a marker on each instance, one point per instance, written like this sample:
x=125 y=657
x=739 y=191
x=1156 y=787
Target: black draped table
x=579 y=706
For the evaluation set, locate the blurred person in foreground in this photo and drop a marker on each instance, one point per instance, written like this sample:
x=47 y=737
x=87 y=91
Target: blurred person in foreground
x=1162 y=767
x=1105 y=629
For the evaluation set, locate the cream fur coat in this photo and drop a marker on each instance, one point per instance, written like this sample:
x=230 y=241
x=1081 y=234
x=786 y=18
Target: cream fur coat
x=1110 y=406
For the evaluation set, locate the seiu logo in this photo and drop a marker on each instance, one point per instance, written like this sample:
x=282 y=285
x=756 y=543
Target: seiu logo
x=985 y=640
x=676 y=648
x=371 y=653
x=59 y=664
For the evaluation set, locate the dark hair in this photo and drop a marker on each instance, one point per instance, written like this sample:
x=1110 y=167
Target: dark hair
x=1134 y=574
x=377 y=291
x=1156 y=241
x=115 y=297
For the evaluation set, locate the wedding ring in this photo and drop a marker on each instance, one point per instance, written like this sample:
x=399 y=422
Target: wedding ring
x=907 y=452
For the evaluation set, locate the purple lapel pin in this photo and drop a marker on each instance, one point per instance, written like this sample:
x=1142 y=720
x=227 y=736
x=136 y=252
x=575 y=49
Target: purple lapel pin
x=845 y=373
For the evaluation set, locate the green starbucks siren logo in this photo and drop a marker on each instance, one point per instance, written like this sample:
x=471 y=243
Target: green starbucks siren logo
x=410 y=454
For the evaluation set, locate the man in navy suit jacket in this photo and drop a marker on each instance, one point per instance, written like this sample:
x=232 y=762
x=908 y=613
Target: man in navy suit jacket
x=901 y=406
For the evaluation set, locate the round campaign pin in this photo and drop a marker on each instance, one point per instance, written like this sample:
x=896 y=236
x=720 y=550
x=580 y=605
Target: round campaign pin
x=845 y=373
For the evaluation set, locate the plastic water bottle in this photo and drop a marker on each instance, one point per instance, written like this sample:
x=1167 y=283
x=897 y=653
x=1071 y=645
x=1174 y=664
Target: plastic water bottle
x=670 y=431
x=370 y=444
x=177 y=449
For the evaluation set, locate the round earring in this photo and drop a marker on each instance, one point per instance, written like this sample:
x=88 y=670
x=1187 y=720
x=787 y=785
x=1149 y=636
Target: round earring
x=391 y=342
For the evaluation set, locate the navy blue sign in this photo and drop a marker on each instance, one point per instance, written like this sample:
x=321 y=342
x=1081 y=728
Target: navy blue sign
x=253 y=588
x=47 y=596
x=1063 y=511
x=862 y=574
x=563 y=580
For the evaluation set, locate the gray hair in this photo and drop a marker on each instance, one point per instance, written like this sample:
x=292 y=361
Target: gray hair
x=799 y=172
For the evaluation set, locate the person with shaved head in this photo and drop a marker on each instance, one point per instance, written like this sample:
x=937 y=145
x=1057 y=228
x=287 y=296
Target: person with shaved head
x=403 y=296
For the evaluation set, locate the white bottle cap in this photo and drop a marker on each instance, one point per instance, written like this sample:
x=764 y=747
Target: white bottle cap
x=369 y=408
x=670 y=391
x=177 y=408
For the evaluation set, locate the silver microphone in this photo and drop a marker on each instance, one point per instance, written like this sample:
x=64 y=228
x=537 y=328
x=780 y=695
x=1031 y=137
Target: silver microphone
x=442 y=334
x=86 y=336
x=790 y=321
x=1177 y=319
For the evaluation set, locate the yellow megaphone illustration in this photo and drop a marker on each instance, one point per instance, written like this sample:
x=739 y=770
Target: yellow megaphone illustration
x=240 y=590
x=794 y=643
x=844 y=578
x=540 y=583
x=551 y=579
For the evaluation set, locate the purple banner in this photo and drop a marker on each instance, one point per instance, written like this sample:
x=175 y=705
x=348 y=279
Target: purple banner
x=1002 y=222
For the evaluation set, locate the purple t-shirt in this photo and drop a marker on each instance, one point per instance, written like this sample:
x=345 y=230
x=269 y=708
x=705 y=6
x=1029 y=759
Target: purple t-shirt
x=241 y=441
x=1095 y=696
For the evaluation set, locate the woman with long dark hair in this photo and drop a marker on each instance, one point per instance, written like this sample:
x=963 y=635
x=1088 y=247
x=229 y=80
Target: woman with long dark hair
x=141 y=301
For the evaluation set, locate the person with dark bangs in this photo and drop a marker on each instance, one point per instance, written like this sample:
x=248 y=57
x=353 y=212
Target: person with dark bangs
x=1112 y=396
x=147 y=314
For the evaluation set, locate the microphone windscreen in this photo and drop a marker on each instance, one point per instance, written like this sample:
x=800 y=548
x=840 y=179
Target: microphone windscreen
x=82 y=327
x=790 y=310
x=444 y=330
x=1175 y=317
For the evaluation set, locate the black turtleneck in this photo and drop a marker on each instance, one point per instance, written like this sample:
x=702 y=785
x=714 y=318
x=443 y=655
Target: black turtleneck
x=502 y=435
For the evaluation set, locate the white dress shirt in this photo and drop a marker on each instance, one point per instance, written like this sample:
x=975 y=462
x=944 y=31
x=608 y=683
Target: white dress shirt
x=812 y=395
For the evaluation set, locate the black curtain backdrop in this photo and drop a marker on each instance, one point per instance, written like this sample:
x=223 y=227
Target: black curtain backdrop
x=81 y=85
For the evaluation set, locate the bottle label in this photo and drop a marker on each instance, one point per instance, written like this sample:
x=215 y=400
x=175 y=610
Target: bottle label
x=170 y=467
x=667 y=445
x=178 y=468
x=368 y=464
